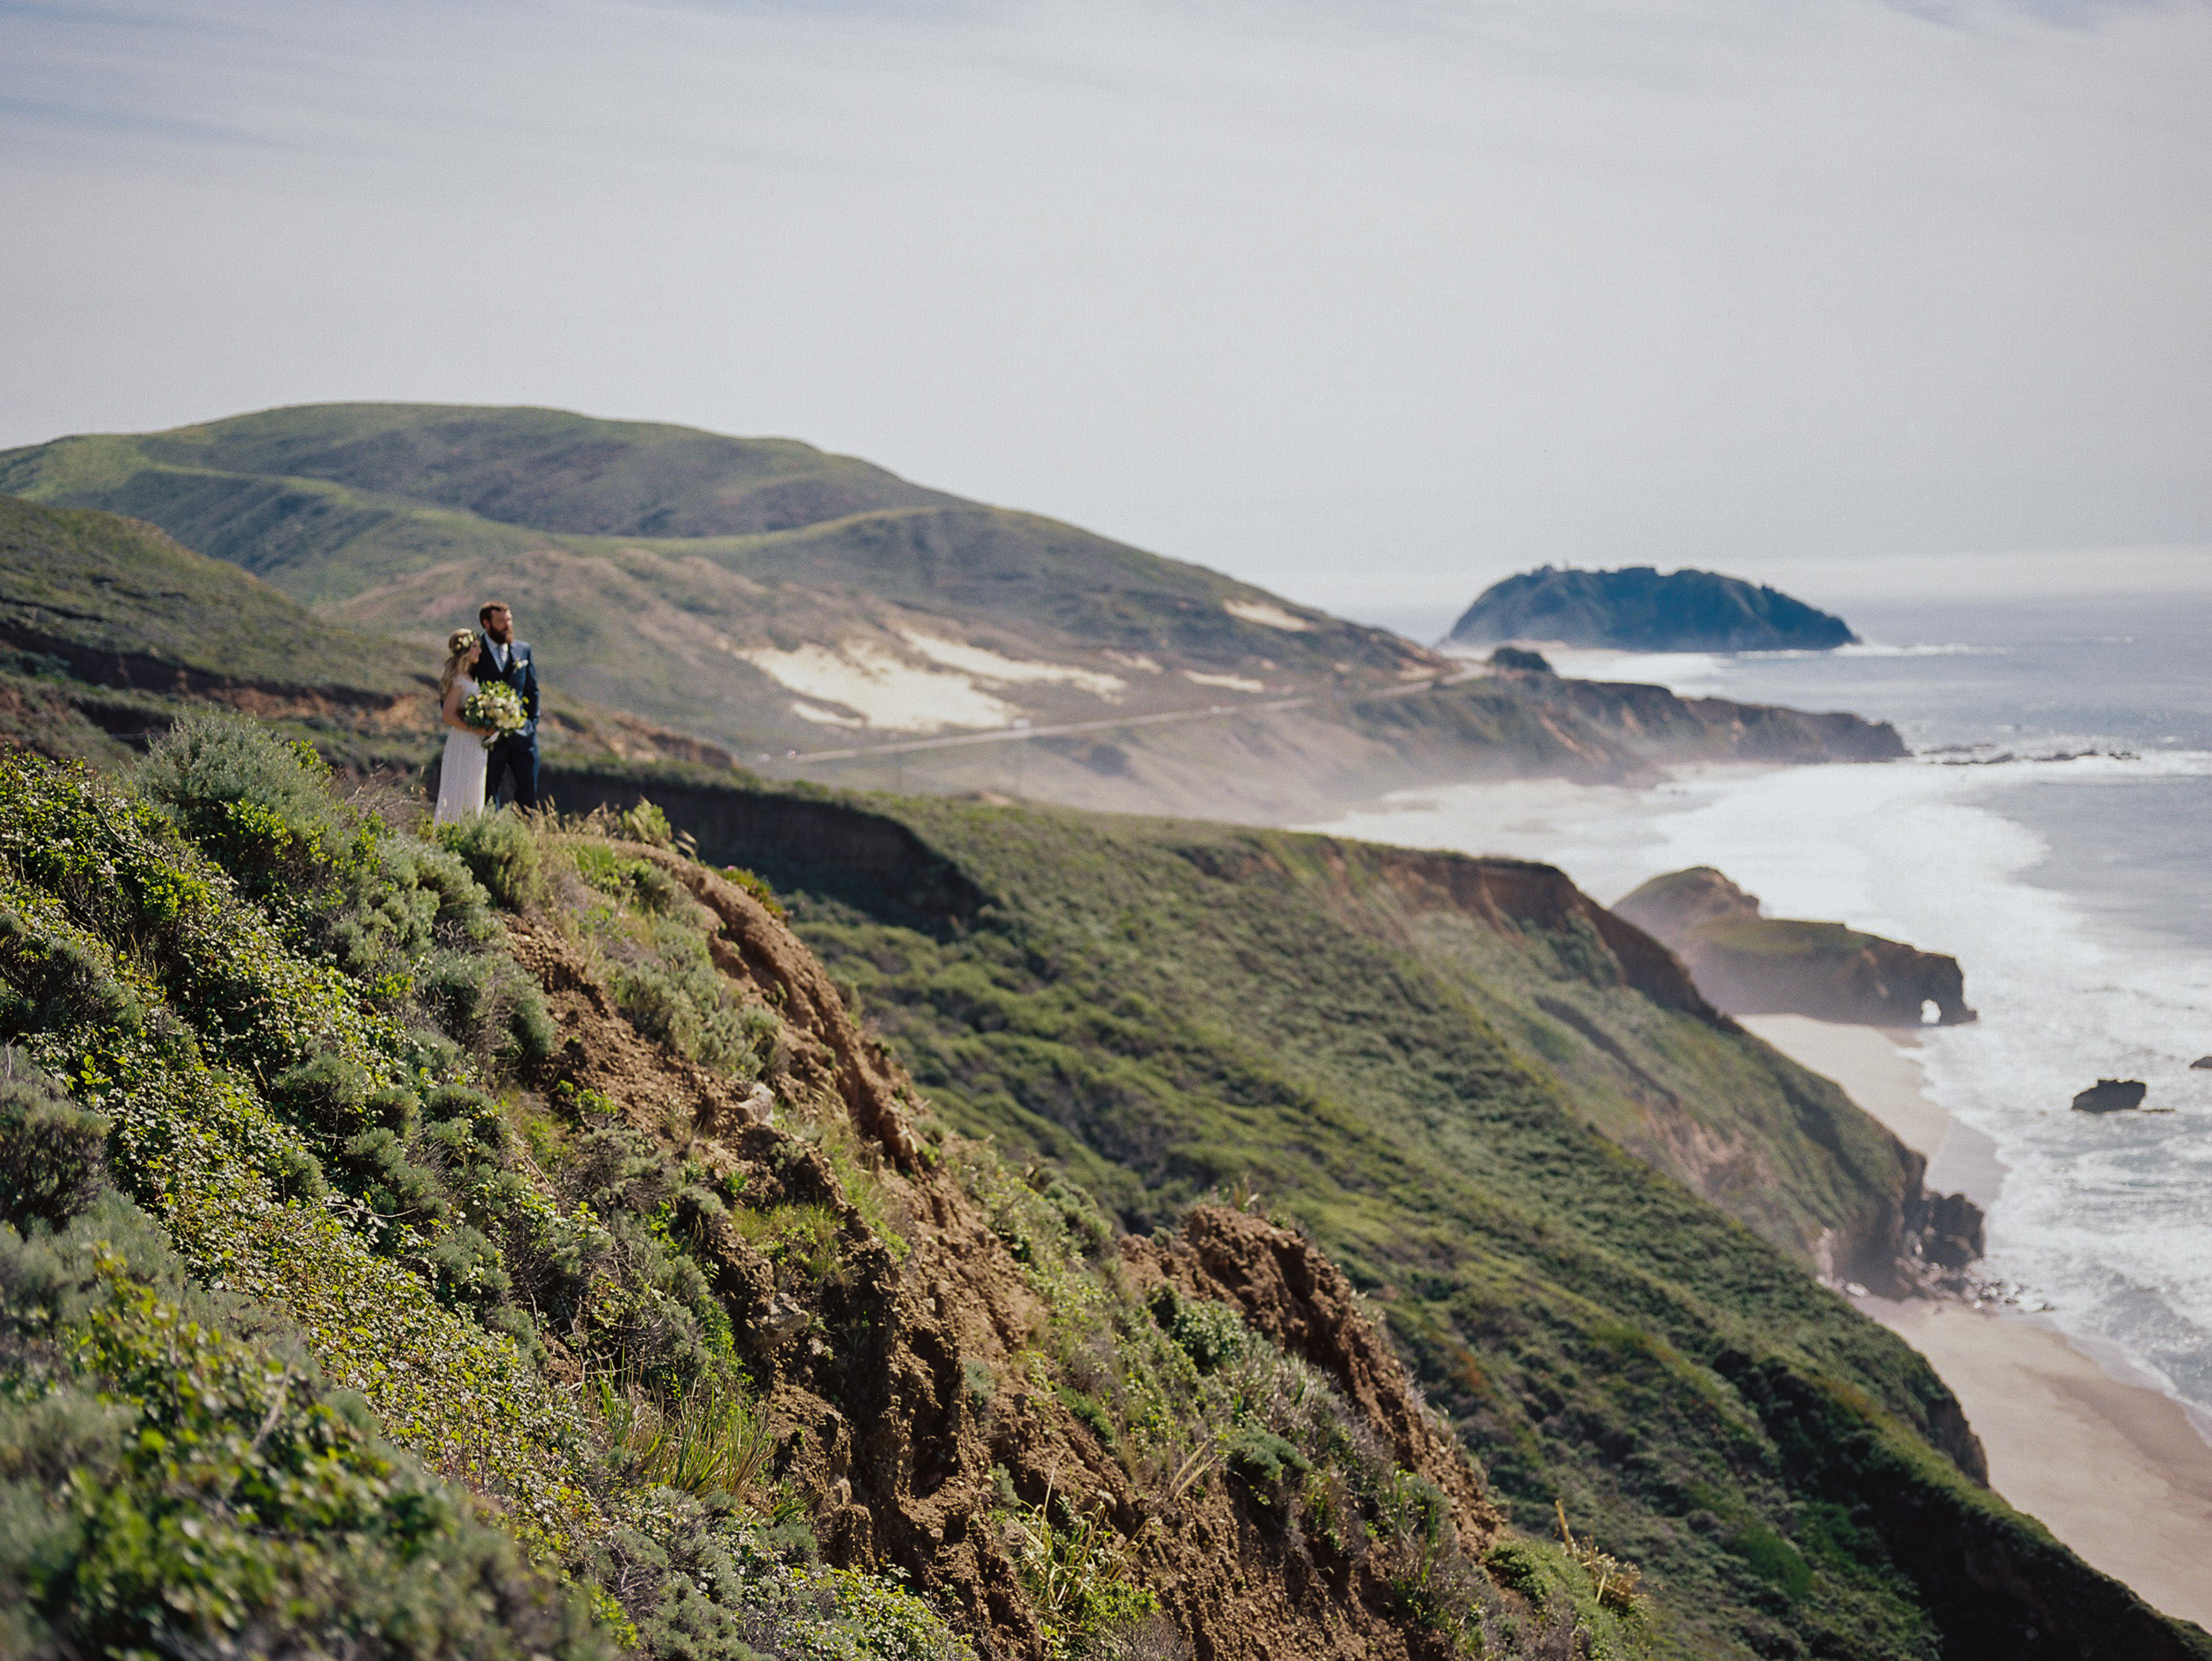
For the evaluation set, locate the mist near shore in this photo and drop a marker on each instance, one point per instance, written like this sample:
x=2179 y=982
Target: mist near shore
x=1371 y=304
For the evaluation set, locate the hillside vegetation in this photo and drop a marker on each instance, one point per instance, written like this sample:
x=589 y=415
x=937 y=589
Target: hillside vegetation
x=110 y=631
x=508 y=1244
x=779 y=601
x=1433 y=1067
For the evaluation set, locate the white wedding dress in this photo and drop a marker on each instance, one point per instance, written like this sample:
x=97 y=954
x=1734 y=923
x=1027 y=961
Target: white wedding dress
x=461 y=775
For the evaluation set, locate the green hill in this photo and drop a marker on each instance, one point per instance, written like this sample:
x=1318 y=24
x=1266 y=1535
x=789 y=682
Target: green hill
x=1438 y=1069
x=110 y=629
x=1638 y=609
x=784 y=603
x=512 y=1242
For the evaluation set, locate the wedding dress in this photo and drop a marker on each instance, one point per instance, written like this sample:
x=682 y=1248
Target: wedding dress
x=461 y=775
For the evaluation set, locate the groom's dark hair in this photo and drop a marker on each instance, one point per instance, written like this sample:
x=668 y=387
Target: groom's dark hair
x=484 y=611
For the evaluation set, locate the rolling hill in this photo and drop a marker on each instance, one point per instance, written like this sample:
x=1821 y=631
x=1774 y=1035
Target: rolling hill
x=110 y=629
x=811 y=612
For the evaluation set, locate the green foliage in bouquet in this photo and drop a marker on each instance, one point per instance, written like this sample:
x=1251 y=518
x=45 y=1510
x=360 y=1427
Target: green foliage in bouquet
x=495 y=707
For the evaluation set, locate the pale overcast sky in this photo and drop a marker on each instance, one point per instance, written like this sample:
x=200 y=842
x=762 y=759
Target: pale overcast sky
x=1372 y=302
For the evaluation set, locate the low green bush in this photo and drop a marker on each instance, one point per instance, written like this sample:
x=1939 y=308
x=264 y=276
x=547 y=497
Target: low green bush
x=53 y=1156
x=382 y=1236
x=500 y=850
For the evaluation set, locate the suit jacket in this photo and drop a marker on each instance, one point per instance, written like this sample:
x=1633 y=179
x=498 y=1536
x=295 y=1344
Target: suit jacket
x=520 y=674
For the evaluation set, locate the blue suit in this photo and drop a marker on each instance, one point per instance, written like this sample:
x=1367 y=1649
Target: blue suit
x=516 y=755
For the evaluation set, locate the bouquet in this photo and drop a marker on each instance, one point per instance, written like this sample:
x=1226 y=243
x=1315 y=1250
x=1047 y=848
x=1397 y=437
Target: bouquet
x=495 y=706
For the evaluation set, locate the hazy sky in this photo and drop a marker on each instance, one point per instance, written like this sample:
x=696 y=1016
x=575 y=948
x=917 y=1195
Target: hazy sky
x=1370 y=302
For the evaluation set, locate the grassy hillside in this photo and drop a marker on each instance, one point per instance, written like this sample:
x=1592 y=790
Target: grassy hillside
x=1429 y=1087
x=509 y=1245
x=109 y=630
x=95 y=588
x=780 y=602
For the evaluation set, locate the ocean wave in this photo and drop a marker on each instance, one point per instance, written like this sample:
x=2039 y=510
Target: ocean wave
x=2103 y=1221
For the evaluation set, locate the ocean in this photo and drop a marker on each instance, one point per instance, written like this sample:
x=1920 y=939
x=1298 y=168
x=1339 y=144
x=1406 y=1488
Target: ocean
x=2054 y=832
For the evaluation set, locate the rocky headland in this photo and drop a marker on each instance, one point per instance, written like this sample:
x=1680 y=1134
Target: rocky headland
x=1749 y=964
x=1638 y=609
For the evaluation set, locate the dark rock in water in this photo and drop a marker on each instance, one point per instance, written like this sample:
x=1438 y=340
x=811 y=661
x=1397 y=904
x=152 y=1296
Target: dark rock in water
x=2111 y=1096
x=1751 y=965
x=1515 y=658
x=2202 y=1064
x=1637 y=609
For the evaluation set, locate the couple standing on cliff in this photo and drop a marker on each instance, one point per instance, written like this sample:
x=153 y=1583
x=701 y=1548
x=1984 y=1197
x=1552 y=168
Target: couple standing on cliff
x=478 y=761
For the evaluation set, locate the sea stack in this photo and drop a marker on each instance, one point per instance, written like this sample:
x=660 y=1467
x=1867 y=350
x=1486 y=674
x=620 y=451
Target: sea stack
x=2111 y=1096
x=1638 y=609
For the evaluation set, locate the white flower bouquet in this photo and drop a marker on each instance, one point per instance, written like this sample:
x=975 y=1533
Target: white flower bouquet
x=495 y=706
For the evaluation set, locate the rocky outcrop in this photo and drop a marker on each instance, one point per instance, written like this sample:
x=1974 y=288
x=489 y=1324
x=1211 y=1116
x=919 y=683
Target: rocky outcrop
x=1655 y=724
x=1637 y=609
x=1751 y=965
x=1516 y=895
x=2111 y=1096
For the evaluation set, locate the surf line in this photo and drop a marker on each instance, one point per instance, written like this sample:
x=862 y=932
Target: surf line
x=1062 y=729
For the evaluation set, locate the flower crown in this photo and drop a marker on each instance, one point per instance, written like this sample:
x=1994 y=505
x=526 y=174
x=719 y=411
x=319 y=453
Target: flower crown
x=461 y=640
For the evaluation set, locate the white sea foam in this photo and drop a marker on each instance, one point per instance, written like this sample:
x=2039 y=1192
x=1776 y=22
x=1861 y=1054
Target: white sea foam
x=2107 y=1219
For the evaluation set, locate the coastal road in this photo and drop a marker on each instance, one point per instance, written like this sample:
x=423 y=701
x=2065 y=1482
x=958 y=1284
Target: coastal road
x=1064 y=729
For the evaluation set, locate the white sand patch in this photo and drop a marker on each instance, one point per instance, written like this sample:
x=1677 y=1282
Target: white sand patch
x=816 y=713
x=1136 y=660
x=886 y=691
x=1235 y=683
x=990 y=666
x=1266 y=616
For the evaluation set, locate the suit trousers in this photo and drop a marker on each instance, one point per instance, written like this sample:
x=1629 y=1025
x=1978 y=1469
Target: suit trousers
x=513 y=761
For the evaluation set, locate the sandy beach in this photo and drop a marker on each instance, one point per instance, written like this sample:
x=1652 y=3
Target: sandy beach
x=2113 y=1469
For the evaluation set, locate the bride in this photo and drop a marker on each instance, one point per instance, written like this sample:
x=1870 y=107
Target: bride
x=461 y=775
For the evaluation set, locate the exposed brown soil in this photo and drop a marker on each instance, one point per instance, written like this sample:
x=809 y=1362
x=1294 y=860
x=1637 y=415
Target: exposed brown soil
x=865 y=1374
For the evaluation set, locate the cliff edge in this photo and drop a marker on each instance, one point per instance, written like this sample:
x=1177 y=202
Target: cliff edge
x=1749 y=964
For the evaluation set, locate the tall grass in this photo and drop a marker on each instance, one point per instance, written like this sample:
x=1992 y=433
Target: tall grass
x=705 y=1438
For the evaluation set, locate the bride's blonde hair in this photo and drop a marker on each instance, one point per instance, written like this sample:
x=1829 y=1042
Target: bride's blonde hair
x=459 y=646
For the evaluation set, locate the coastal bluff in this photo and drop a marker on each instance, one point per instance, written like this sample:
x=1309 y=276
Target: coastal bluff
x=1749 y=964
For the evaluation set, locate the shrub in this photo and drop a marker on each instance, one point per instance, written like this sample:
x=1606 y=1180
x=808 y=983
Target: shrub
x=500 y=850
x=52 y=1155
x=328 y=1094
x=168 y=1489
x=1211 y=1335
x=405 y=919
x=646 y=823
x=260 y=808
x=489 y=1002
x=1262 y=1460
x=48 y=982
x=671 y=993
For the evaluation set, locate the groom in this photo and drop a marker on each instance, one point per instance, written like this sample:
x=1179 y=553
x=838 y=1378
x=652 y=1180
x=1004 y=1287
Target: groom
x=503 y=657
